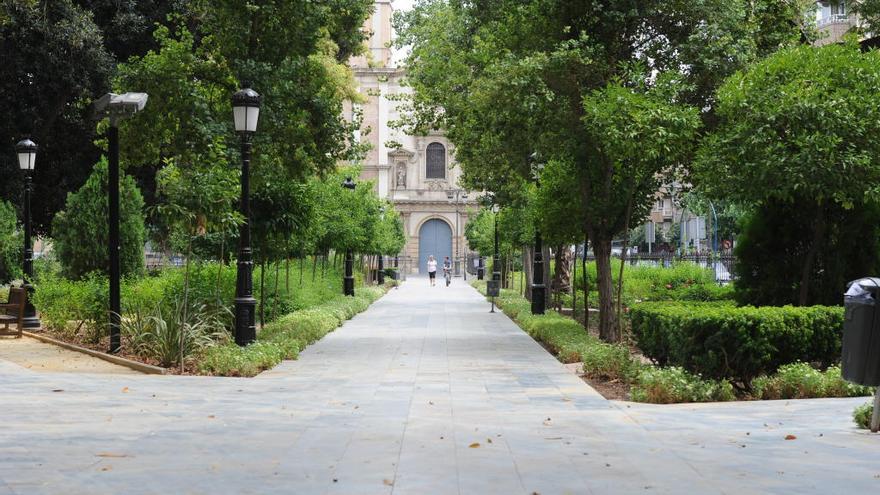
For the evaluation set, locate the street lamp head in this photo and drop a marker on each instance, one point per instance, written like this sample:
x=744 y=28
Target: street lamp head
x=246 y=110
x=27 y=154
x=348 y=183
x=119 y=106
x=495 y=208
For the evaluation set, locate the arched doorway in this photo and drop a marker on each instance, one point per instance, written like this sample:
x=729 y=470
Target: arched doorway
x=435 y=238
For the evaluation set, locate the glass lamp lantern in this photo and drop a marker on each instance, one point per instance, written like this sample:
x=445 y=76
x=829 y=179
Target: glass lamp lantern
x=246 y=110
x=27 y=154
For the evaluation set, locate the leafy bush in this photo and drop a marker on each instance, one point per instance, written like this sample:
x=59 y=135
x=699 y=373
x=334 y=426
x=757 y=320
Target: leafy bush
x=674 y=384
x=171 y=331
x=80 y=231
x=232 y=360
x=772 y=249
x=74 y=307
x=862 y=415
x=802 y=381
x=720 y=340
x=609 y=362
x=10 y=243
x=285 y=337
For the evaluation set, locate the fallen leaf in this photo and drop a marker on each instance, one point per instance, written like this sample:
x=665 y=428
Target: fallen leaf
x=106 y=468
x=790 y=437
x=474 y=445
x=111 y=454
x=388 y=482
x=124 y=390
x=211 y=416
x=58 y=390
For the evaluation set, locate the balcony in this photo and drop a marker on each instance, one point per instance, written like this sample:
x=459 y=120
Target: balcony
x=834 y=19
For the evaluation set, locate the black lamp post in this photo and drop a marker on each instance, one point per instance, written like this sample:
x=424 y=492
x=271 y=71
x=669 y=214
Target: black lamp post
x=457 y=196
x=496 y=274
x=380 y=274
x=246 y=113
x=27 y=156
x=348 y=277
x=539 y=290
x=116 y=107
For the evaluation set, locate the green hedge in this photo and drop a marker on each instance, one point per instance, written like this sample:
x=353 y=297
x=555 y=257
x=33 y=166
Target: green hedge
x=286 y=336
x=718 y=340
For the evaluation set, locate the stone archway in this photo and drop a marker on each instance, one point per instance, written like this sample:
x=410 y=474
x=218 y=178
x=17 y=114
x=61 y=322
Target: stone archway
x=435 y=238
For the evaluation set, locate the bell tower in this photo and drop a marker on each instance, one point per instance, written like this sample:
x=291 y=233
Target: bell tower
x=381 y=33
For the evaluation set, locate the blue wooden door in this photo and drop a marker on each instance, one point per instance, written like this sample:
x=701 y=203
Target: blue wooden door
x=435 y=238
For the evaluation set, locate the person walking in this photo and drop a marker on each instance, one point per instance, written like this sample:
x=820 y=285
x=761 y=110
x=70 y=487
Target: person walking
x=432 y=269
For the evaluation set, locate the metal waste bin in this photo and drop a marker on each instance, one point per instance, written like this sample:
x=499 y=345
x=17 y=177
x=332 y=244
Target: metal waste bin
x=860 y=362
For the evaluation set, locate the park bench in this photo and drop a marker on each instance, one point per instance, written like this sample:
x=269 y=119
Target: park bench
x=13 y=311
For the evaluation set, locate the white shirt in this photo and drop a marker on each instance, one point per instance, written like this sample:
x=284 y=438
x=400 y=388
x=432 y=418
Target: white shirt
x=432 y=266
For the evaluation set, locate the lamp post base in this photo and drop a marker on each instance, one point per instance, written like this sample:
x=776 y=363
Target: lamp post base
x=30 y=322
x=538 y=299
x=348 y=286
x=245 y=325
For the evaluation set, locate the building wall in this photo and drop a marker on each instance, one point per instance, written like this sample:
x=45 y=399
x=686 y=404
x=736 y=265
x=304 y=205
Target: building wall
x=396 y=161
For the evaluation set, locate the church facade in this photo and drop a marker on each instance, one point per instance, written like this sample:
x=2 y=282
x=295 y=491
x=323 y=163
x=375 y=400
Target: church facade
x=418 y=174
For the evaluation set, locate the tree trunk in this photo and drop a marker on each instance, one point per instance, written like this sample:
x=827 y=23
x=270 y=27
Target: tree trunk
x=574 y=278
x=818 y=235
x=262 y=293
x=287 y=274
x=220 y=265
x=623 y=259
x=586 y=278
x=314 y=267
x=528 y=268
x=562 y=274
x=302 y=262
x=608 y=330
x=275 y=295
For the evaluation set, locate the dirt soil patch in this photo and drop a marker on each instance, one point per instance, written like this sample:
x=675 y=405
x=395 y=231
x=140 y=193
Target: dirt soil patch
x=610 y=389
x=39 y=356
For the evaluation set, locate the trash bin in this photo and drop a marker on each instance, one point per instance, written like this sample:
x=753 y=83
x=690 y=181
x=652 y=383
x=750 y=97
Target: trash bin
x=860 y=361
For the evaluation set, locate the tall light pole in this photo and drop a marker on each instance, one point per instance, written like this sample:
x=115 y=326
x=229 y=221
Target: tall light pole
x=348 y=277
x=457 y=196
x=496 y=274
x=246 y=113
x=380 y=274
x=539 y=290
x=27 y=156
x=116 y=107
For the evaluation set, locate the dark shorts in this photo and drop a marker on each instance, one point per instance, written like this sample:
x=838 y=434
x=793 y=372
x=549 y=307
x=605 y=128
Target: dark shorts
x=432 y=274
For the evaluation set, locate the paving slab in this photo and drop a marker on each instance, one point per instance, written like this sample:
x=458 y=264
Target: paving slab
x=424 y=393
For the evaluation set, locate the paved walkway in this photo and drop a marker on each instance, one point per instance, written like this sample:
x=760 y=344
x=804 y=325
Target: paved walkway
x=425 y=393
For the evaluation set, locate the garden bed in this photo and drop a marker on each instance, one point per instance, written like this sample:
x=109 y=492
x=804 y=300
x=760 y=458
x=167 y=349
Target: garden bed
x=620 y=371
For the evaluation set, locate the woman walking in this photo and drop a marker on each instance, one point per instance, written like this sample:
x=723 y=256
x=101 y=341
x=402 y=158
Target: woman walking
x=432 y=269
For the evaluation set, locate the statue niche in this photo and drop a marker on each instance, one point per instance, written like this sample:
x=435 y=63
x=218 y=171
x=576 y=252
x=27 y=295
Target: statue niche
x=401 y=176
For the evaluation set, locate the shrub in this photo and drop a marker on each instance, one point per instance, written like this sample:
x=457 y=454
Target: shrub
x=74 y=307
x=862 y=415
x=232 y=360
x=674 y=384
x=286 y=336
x=802 y=381
x=10 y=243
x=609 y=362
x=170 y=332
x=719 y=340
x=80 y=231
x=776 y=237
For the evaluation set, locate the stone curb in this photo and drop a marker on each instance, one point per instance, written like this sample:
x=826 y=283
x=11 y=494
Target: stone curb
x=128 y=363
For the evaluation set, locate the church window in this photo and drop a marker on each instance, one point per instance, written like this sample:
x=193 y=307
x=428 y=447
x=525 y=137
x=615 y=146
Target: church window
x=435 y=161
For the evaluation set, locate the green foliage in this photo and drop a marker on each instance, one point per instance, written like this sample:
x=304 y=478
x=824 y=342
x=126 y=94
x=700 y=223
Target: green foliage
x=10 y=243
x=776 y=240
x=610 y=362
x=802 y=381
x=170 y=332
x=80 y=231
x=74 y=308
x=284 y=338
x=862 y=415
x=740 y=343
x=674 y=384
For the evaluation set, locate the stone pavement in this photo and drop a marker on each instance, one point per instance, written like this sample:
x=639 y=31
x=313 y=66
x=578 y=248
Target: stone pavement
x=424 y=393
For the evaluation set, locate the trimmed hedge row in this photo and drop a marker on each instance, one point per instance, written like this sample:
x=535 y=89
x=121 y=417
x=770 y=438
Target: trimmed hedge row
x=719 y=340
x=286 y=336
